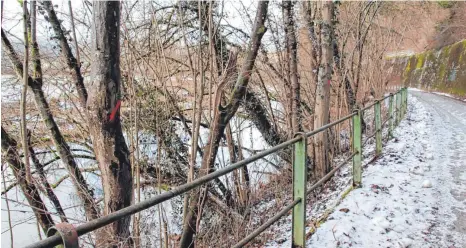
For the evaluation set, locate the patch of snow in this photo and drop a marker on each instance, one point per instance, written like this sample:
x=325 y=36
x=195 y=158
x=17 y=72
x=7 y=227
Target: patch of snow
x=427 y=184
x=437 y=93
x=414 y=89
x=430 y=156
x=443 y=94
x=400 y=54
x=406 y=242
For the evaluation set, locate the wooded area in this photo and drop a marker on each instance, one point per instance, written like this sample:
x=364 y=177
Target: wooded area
x=119 y=101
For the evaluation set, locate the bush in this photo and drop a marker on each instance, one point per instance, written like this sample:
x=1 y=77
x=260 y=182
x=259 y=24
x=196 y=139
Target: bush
x=445 y=4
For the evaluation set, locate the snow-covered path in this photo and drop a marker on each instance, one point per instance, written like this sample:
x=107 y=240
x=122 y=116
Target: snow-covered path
x=392 y=208
x=449 y=117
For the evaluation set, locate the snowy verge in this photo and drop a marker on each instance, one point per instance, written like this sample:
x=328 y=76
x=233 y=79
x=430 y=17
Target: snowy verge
x=439 y=93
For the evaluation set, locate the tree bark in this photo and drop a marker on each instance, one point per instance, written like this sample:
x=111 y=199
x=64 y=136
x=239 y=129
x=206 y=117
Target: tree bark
x=43 y=179
x=75 y=41
x=322 y=105
x=291 y=50
x=30 y=191
x=108 y=141
x=24 y=94
x=315 y=46
x=221 y=117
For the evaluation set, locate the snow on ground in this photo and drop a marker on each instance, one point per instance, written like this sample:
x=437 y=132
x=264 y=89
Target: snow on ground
x=392 y=208
x=414 y=195
x=448 y=125
x=324 y=199
x=439 y=93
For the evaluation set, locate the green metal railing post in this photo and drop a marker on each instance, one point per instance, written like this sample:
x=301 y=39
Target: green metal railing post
x=378 y=128
x=402 y=104
x=398 y=107
x=405 y=101
x=391 y=116
x=357 y=159
x=299 y=191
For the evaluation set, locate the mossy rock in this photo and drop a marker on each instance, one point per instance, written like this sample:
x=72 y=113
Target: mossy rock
x=443 y=70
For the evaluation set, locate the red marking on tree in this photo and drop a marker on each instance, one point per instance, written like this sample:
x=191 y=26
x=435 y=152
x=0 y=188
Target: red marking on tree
x=115 y=109
x=329 y=82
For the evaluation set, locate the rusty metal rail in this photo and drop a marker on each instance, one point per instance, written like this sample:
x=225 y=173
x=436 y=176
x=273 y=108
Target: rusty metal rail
x=298 y=205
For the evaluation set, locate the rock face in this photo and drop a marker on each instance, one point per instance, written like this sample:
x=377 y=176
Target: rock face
x=442 y=70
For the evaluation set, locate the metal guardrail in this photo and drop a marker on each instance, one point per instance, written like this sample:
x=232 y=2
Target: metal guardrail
x=397 y=110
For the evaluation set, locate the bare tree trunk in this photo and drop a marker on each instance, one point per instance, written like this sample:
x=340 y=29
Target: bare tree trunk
x=222 y=116
x=43 y=179
x=322 y=105
x=314 y=54
x=107 y=137
x=244 y=177
x=84 y=192
x=315 y=46
x=24 y=94
x=291 y=49
x=66 y=51
x=75 y=41
x=30 y=191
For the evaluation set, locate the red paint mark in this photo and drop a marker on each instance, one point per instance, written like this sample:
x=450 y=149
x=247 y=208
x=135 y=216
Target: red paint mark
x=329 y=82
x=114 y=111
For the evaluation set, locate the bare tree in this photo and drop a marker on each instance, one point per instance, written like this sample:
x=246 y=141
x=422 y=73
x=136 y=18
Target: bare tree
x=83 y=190
x=291 y=50
x=30 y=191
x=104 y=121
x=72 y=62
x=222 y=116
x=322 y=104
x=24 y=93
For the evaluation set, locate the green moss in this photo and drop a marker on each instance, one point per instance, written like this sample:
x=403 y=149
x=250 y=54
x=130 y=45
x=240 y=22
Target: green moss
x=441 y=73
x=242 y=116
x=457 y=91
x=261 y=30
x=327 y=213
x=446 y=52
x=445 y=4
x=420 y=60
x=165 y=187
x=407 y=70
x=443 y=70
x=463 y=54
x=430 y=56
x=272 y=96
x=347 y=191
